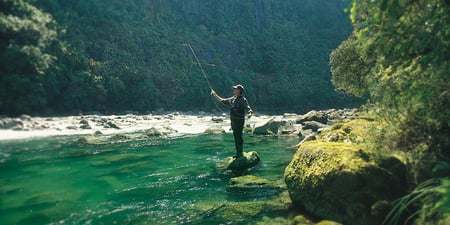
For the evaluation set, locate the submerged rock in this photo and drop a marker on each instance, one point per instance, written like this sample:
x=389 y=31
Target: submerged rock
x=88 y=140
x=244 y=212
x=119 y=137
x=152 y=132
x=215 y=130
x=249 y=160
x=250 y=185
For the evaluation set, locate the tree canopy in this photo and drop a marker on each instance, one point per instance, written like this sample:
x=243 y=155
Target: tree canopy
x=113 y=56
x=398 y=55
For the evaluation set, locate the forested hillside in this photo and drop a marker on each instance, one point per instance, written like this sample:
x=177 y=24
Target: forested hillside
x=112 y=55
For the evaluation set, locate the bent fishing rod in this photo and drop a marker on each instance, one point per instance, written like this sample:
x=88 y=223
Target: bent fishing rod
x=199 y=64
x=203 y=72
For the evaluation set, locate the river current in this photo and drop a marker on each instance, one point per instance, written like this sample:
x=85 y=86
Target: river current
x=57 y=180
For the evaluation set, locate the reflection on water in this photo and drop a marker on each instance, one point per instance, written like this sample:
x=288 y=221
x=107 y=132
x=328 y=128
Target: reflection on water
x=154 y=181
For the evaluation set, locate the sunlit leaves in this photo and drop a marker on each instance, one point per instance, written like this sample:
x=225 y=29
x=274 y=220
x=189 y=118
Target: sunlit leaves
x=348 y=69
x=27 y=35
x=406 y=45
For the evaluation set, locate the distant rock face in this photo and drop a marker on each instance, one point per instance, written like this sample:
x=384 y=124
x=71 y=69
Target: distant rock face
x=237 y=166
x=338 y=180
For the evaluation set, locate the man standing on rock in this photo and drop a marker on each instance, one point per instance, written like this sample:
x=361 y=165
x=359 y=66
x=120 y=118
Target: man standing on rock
x=238 y=105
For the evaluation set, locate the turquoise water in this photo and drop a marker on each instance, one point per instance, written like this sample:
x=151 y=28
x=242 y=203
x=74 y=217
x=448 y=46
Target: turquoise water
x=154 y=181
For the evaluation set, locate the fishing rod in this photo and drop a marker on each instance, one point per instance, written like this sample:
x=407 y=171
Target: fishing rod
x=199 y=64
x=203 y=72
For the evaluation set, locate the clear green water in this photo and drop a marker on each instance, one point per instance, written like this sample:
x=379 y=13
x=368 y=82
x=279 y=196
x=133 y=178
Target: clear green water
x=155 y=181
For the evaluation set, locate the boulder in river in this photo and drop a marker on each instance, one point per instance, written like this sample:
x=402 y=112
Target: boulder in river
x=342 y=181
x=313 y=125
x=85 y=124
x=317 y=116
x=10 y=123
x=239 y=165
x=273 y=126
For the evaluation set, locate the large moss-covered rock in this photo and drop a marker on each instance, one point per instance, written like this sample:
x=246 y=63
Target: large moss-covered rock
x=341 y=181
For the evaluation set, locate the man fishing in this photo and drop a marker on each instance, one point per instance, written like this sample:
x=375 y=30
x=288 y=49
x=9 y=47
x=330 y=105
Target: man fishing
x=238 y=105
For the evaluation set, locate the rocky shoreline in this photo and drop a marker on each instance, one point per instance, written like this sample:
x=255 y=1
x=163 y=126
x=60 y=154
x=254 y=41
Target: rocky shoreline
x=167 y=123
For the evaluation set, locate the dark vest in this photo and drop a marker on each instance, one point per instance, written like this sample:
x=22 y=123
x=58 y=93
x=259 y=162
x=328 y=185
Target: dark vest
x=237 y=109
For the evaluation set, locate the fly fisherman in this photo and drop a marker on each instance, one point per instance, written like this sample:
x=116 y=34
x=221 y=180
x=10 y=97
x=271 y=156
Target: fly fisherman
x=238 y=106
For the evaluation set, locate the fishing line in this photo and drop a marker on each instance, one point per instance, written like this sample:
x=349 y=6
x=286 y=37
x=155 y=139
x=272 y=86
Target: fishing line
x=203 y=72
x=199 y=64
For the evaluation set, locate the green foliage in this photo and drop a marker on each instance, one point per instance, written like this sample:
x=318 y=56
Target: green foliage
x=406 y=46
x=116 y=55
x=433 y=198
x=348 y=69
x=39 y=72
x=26 y=34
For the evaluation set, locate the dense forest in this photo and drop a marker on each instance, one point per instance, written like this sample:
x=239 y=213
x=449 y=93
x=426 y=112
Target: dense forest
x=63 y=57
x=398 y=55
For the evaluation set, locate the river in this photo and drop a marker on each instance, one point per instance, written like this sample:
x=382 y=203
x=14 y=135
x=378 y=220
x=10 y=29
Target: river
x=158 y=180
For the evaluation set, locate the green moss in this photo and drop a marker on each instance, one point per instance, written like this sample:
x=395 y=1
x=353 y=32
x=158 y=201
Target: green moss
x=339 y=177
x=355 y=131
x=322 y=157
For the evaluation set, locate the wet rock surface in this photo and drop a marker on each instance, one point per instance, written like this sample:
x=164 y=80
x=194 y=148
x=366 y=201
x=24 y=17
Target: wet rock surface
x=239 y=165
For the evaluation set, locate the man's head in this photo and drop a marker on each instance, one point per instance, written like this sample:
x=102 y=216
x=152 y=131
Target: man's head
x=239 y=87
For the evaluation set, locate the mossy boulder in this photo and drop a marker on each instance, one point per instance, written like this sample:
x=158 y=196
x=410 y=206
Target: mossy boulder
x=341 y=181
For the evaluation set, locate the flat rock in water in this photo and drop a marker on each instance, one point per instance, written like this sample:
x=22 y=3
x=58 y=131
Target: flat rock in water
x=249 y=160
x=250 y=185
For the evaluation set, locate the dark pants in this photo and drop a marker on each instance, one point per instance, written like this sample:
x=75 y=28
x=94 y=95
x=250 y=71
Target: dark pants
x=237 y=124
